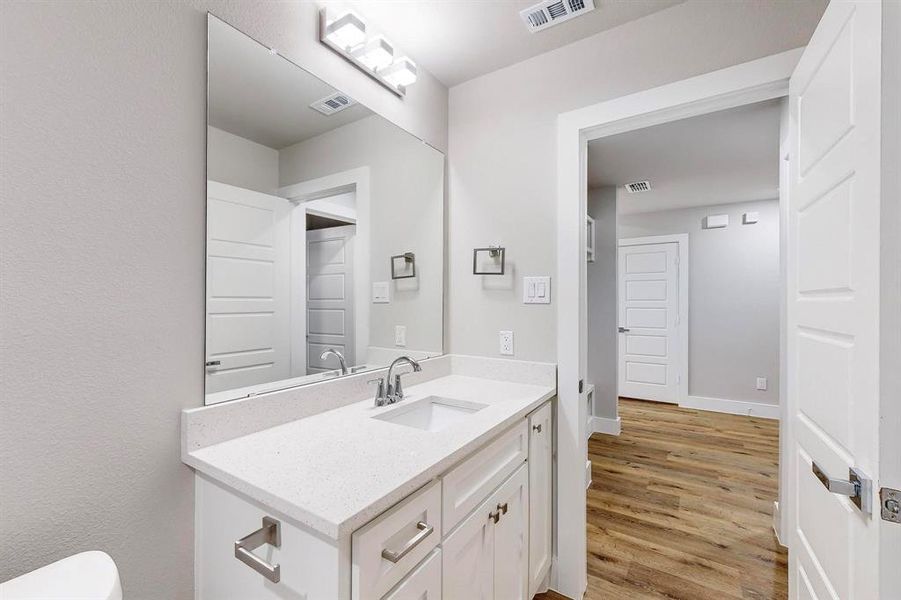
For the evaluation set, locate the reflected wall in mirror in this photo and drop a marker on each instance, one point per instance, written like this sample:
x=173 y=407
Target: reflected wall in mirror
x=309 y=196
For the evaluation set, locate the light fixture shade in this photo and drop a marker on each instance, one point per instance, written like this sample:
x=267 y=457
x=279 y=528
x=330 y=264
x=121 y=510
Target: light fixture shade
x=346 y=31
x=401 y=73
x=376 y=54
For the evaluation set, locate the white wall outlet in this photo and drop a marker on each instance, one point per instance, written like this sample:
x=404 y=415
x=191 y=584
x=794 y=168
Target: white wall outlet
x=536 y=290
x=749 y=218
x=506 y=342
x=400 y=335
x=716 y=221
x=380 y=293
x=761 y=384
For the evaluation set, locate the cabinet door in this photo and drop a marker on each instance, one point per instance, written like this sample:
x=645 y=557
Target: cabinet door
x=424 y=583
x=511 y=537
x=468 y=557
x=540 y=473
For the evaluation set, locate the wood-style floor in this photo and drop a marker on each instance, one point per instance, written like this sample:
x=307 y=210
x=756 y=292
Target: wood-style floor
x=681 y=507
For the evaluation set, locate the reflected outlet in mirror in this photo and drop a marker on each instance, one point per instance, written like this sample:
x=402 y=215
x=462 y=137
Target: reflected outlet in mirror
x=431 y=413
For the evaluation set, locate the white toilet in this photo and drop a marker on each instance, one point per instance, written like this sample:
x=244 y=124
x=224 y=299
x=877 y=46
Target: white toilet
x=85 y=576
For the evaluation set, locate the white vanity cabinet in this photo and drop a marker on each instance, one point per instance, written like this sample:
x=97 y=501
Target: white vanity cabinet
x=482 y=530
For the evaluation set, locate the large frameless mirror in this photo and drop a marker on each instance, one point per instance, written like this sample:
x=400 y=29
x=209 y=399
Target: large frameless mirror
x=324 y=228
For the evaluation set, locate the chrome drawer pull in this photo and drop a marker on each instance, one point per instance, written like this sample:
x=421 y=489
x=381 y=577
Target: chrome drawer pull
x=425 y=530
x=269 y=533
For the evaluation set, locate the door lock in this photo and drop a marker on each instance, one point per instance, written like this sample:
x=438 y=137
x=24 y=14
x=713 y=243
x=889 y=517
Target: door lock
x=890 y=501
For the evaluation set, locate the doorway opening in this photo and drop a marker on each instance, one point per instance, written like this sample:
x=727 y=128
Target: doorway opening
x=684 y=357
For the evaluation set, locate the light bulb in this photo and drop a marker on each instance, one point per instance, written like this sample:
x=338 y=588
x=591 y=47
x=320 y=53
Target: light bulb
x=347 y=31
x=401 y=73
x=376 y=54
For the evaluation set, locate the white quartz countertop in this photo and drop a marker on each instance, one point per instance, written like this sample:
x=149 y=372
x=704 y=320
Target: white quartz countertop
x=336 y=470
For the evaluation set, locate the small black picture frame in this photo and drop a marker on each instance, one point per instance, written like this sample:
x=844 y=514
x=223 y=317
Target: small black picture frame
x=403 y=266
x=495 y=252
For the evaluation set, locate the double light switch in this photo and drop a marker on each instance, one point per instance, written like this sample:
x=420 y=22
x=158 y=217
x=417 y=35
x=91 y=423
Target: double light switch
x=536 y=290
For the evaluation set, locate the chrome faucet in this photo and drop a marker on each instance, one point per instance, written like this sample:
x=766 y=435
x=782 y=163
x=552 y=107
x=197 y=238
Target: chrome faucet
x=388 y=392
x=338 y=355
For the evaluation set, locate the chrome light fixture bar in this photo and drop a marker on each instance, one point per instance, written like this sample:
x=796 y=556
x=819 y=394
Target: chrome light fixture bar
x=345 y=33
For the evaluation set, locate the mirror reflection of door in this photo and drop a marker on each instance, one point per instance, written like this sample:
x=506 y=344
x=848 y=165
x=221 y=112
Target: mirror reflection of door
x=330 y=302
x=247 y=293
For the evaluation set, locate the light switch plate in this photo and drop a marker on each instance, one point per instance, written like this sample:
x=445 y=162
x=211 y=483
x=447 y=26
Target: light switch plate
x=536 y=290
x=716 y=221
x=400 y=335
x=761 y=384
x=380 y=293
x=506 y=343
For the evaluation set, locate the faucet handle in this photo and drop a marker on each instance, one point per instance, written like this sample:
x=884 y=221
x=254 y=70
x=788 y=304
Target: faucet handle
x=379 y=392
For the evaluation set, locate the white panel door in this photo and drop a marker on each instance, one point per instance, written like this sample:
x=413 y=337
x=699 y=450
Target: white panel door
x=832 y=302
x=330 y=303
x=247 y=291
x=648 y=288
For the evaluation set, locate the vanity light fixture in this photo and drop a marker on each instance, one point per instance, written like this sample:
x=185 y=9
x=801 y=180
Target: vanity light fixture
x=345 y=33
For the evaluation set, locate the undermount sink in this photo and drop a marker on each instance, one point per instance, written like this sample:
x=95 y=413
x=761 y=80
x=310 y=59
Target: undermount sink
x=431 y=413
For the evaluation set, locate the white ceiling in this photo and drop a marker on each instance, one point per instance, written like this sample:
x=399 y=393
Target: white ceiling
x=457 y=40
x=264 y=97
x=718 y=158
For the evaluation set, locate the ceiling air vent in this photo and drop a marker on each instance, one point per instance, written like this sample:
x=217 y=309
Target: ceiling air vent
x=333 y=103
x=551 y=12
x=638 y=186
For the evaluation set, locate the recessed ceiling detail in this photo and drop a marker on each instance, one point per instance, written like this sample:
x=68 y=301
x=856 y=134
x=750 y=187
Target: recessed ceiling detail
x=553 y=12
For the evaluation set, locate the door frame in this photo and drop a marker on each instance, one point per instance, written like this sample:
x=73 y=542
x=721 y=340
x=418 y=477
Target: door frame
x=356 y=180
x=681 y=241
x=755 y=81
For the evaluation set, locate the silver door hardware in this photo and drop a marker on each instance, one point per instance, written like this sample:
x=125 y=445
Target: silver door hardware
x=890 y=501
x=858 y=486
x=425 y=530
x=623 y=329
x=502 y=508
x=537 y=428
x=213 y=363
x=270 y=533
x=495 y=516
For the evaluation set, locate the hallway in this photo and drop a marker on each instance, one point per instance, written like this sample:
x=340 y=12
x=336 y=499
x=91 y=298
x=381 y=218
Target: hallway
x=681 y=507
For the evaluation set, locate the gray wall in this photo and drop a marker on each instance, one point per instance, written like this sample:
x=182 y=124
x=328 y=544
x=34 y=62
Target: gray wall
x=241 y=162
x=102 y=266
x=407 y=210
x=502 y=146
x=733 y=331
x=602 y=336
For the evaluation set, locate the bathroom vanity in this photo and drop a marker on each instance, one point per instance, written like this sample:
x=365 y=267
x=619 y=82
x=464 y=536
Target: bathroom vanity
x=446 y=494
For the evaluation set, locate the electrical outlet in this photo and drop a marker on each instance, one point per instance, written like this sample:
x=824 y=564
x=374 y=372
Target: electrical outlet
x=400 y=335
x=506 y=341
x=761 y=384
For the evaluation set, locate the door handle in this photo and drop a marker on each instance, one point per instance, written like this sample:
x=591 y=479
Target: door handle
x=623 y=329
x=858 y=486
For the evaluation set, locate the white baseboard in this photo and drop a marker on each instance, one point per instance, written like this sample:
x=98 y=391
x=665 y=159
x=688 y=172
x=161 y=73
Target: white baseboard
x=604 y=425
x=732 y=407
x=777 y=523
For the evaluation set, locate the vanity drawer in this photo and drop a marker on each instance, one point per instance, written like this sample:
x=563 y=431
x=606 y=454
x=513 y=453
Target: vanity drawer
x=388 y=547
x=469 y=483
x=424 y=583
